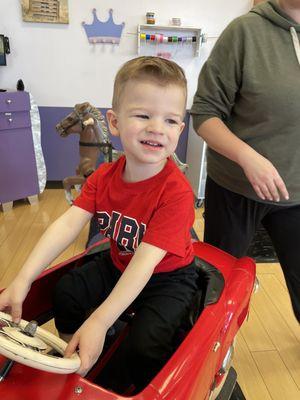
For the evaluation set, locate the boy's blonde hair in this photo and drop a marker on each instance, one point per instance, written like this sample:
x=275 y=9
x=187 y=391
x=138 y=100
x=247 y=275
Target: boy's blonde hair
x=147 y=68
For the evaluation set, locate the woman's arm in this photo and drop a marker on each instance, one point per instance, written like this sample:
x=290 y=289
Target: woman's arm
x=218 y=86
x=260 y=172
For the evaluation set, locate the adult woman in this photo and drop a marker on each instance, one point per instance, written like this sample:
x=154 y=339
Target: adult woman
x=247 y=109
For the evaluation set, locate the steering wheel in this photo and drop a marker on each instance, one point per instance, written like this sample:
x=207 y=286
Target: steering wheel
x=28 y=344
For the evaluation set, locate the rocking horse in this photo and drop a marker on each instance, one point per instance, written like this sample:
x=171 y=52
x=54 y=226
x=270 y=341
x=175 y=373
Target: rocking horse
x=89 y=123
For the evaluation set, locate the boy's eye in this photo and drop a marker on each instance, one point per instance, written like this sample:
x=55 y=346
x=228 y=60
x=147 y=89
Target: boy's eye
x=172 y=121
x=142 y=116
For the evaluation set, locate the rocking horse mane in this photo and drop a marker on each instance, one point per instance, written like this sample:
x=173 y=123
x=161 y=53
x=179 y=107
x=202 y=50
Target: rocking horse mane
x=86 y=108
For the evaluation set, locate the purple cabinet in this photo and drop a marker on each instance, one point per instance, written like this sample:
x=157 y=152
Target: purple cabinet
x=14 y=120
x=14 y=101
x=18 y=172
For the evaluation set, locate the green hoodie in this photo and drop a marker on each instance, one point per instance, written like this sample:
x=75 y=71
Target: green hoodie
x=252 y=82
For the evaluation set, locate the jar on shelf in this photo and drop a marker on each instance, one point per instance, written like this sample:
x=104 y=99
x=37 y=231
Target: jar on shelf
x=150 y=18
x=176 y=21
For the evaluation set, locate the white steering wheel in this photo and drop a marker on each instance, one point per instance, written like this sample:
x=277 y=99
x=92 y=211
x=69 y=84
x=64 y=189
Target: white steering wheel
x=30 y=345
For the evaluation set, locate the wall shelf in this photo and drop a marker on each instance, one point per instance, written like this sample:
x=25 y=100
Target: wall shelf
x=185 y=40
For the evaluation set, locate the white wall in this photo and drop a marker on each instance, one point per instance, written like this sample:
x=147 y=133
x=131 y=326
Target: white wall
x=60 y=68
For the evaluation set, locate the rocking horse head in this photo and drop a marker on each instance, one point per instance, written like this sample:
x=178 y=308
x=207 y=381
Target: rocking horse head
x=83 y=116
x=87 y=121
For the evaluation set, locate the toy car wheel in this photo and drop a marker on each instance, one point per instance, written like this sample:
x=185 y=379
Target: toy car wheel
x=228 y=386
x=225 y=388
x=198 y=203
x=30 y=345
x=237 y=393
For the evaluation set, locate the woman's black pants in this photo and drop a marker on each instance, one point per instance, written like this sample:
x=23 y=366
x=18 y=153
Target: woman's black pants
x=231 y=221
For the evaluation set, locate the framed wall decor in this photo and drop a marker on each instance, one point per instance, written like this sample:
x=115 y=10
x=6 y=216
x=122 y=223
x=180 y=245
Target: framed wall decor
x=51 y=11
x=2 y=51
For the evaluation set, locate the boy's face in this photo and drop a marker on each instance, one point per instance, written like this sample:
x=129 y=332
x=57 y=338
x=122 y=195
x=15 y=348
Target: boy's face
x=149 y=121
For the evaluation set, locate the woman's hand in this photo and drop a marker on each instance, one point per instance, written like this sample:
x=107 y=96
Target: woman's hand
x=11 y=299
x=89 y=338
x=264 y=177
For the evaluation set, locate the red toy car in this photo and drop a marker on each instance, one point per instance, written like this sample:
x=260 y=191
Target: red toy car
x=199 y=369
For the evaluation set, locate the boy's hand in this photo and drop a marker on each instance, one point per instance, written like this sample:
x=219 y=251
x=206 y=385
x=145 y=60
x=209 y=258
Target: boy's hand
x=12 y=299
x=264 y=177
x=89 y=338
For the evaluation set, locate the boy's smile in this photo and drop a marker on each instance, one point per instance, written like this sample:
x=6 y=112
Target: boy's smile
x=151 y=143
x=149 y=122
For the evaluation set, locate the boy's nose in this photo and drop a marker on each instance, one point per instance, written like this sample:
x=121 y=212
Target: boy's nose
x=155 y=126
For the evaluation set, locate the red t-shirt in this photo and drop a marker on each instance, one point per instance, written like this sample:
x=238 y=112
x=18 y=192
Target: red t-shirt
x=158 y=211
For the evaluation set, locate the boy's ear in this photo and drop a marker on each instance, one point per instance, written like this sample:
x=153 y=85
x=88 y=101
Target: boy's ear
x=182 y=125
x=112 y=120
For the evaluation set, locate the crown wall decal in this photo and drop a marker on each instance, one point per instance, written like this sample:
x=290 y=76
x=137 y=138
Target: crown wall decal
x=103 y=32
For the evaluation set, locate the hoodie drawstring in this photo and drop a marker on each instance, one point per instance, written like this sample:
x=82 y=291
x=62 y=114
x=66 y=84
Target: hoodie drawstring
x=296 y=42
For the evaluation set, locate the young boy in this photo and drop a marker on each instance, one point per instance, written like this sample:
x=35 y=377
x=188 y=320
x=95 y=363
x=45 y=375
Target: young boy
x=144 y=204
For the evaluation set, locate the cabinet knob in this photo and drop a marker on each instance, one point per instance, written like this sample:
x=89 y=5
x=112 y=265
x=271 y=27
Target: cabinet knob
x=8 y=101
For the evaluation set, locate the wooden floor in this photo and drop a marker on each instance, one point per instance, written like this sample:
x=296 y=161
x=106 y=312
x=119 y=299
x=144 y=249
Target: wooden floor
x=267 y=357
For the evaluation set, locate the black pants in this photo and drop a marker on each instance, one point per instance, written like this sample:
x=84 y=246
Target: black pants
x=160 y=309
x=231 y=221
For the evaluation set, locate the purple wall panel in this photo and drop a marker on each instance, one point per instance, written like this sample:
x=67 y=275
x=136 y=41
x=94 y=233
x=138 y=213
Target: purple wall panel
x=62 y=154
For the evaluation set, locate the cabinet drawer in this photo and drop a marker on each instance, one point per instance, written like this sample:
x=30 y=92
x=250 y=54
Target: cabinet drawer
x=14 y=120
x=14 y=101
